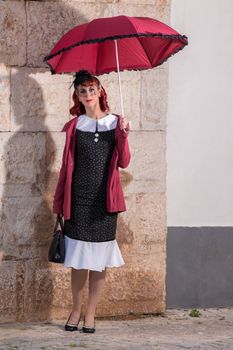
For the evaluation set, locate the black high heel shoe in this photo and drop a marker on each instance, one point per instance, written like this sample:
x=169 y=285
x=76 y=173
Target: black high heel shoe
x=71 y=327
x=88 y=329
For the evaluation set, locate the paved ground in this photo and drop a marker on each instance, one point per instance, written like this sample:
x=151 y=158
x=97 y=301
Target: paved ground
x=173 y=330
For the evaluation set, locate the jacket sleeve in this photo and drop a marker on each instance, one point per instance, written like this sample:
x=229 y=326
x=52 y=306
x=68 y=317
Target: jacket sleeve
x=123 y=148
x=59 y=192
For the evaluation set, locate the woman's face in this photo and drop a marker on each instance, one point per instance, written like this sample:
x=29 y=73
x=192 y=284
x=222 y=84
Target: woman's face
x=88 y=94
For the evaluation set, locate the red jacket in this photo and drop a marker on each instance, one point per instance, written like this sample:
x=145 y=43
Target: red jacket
x=120 y=158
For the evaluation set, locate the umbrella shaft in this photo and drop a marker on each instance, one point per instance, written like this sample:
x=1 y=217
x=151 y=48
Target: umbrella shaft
x=119 y=78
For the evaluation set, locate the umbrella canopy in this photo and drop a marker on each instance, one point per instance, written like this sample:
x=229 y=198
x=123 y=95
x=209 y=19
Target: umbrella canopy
x=142 y=43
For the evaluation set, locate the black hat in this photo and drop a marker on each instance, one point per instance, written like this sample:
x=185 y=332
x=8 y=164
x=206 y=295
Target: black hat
x=80 y=77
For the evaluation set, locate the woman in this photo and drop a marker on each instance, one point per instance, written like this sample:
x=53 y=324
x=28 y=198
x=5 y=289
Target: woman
x=89 y=193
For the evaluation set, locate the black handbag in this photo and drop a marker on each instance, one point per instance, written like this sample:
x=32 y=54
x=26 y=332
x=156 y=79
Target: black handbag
x=56 y=252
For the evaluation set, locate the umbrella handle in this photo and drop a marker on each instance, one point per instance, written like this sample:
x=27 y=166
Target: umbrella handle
x=119 y=78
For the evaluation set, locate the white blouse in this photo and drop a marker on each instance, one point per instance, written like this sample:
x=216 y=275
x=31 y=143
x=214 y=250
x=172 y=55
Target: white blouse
x=93 y=255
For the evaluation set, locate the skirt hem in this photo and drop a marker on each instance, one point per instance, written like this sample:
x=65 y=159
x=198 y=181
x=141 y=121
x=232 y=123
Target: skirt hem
x=92 y=268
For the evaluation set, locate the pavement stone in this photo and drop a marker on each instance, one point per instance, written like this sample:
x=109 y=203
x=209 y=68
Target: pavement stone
x=172 y=330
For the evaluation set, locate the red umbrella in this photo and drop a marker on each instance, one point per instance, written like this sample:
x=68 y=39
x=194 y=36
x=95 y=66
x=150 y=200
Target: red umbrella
x=115 y=44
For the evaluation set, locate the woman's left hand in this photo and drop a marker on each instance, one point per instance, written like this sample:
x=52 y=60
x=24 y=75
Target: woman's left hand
x=123 y=122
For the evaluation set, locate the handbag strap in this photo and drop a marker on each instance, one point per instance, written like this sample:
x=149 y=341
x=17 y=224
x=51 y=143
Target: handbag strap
x=58 y=221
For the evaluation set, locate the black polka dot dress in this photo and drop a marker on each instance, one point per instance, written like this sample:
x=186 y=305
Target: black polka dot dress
x=90 y=232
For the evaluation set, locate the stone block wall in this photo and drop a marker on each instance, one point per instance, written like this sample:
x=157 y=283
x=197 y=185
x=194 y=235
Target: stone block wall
x=34 y=105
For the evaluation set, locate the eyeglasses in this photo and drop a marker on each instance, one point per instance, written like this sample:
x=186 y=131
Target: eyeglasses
x=92 y=90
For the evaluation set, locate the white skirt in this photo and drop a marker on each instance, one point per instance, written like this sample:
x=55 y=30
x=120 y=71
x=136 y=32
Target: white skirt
x=92 y=255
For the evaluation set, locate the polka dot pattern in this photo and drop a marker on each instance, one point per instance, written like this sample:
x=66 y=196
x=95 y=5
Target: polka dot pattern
x=89 y=219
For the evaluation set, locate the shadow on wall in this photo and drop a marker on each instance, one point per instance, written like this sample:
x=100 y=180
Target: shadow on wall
x=27 y=220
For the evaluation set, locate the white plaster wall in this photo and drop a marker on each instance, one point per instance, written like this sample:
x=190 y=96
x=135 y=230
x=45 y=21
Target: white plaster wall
x=200 y=116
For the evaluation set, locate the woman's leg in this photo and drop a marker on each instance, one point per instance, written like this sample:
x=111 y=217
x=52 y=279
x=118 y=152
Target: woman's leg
x=96 y=284
x=78 y=282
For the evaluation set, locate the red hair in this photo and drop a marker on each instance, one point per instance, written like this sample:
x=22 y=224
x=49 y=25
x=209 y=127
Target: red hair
x=79 y=108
